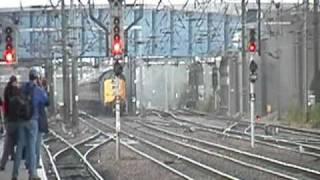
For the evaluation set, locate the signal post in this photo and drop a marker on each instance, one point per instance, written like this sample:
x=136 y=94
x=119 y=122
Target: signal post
x=8 y=44
x=116 y=51
x=252 y=77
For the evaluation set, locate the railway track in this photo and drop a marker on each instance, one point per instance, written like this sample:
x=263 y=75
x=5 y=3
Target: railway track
x=262 y=163
x=69 y=161
x=294 y=141
x=183 y=166
x=264 y=147
x=283 y=131
x=243 y=162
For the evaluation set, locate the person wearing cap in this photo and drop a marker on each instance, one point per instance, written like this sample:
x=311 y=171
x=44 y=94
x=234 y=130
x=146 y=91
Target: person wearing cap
x=28 y=130
x=11 y=120
x=42 y=122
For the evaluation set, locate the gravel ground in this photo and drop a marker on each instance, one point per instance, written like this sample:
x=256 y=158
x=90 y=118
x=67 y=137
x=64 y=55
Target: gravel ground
x=272 y=152
x=71 y=134
x=288 y=156
x=130 y=167
x=276 y=153
x=223 y=165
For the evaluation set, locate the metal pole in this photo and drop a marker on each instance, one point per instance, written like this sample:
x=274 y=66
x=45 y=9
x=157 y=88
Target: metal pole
x=117 y=119
x=243 y=55
x=173 y=98
x=216 y=91
x=141 y=88
x=166 y=104
x=305 y=65
x=54 y=84
x=279 y=65
x=129 y=86
x=190 y=33
x=226 y=42
x=252 y=78
x=74 y=71
x=49 y=70
x=51 y=85
x=316 y=35
x=252 y=112
x=225 y=48
x=65 y=68
x=216 y=94
x=75 y=97
x=259 y=26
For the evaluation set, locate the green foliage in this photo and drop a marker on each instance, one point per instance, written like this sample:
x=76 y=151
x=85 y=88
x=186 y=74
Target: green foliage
x=314 y=115
x=295 y=115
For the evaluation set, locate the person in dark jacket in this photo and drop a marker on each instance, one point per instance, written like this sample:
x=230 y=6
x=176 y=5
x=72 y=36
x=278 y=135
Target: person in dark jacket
x=43 y=122
x=11 y=92
x=28 y=130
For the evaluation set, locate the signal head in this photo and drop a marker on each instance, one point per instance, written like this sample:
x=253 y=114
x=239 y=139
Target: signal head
x=9 y=56
x=116 y=20
x=9 y=52
x=8 y=30
x=116 y=37
x=9 y=46
x=252 y=35
x=116 y=29
x=252 y=47
x=8 y=38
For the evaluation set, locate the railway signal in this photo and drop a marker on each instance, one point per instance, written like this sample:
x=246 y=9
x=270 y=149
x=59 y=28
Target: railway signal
x=117 y=45
x=252 y=41
x=9 y=51
x=117 y=68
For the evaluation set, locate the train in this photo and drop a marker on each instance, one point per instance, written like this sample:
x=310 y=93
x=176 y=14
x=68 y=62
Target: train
x=98 y=94
x=108 y=91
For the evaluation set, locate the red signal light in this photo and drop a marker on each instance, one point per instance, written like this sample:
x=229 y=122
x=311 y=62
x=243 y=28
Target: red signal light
x=9 y=56
x=117 y=47
x=252 y=47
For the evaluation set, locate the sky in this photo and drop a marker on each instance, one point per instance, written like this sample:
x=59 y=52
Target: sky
x=25 y=3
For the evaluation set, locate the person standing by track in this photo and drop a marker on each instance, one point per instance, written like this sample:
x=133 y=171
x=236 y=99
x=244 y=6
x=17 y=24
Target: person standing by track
x=11 y=91
x=29 y=128
x=43 y=121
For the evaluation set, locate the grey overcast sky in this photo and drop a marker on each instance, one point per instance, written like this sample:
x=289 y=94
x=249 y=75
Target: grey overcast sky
x=24 y=3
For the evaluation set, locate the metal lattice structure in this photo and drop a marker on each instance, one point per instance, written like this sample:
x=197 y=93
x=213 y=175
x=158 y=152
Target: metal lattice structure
x=170 y=31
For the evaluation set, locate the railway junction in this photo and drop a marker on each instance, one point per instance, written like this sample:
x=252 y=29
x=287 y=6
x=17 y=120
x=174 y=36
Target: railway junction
x=186 y=89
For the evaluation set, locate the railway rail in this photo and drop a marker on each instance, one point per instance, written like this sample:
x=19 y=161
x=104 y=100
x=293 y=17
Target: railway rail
x=69 y=161
x=241 y=130
x=175 y=162
x=281 y=129
x=160 y=138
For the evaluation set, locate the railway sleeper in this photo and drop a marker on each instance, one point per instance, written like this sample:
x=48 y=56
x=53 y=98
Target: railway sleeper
x=76 y=176
x=70 y=166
